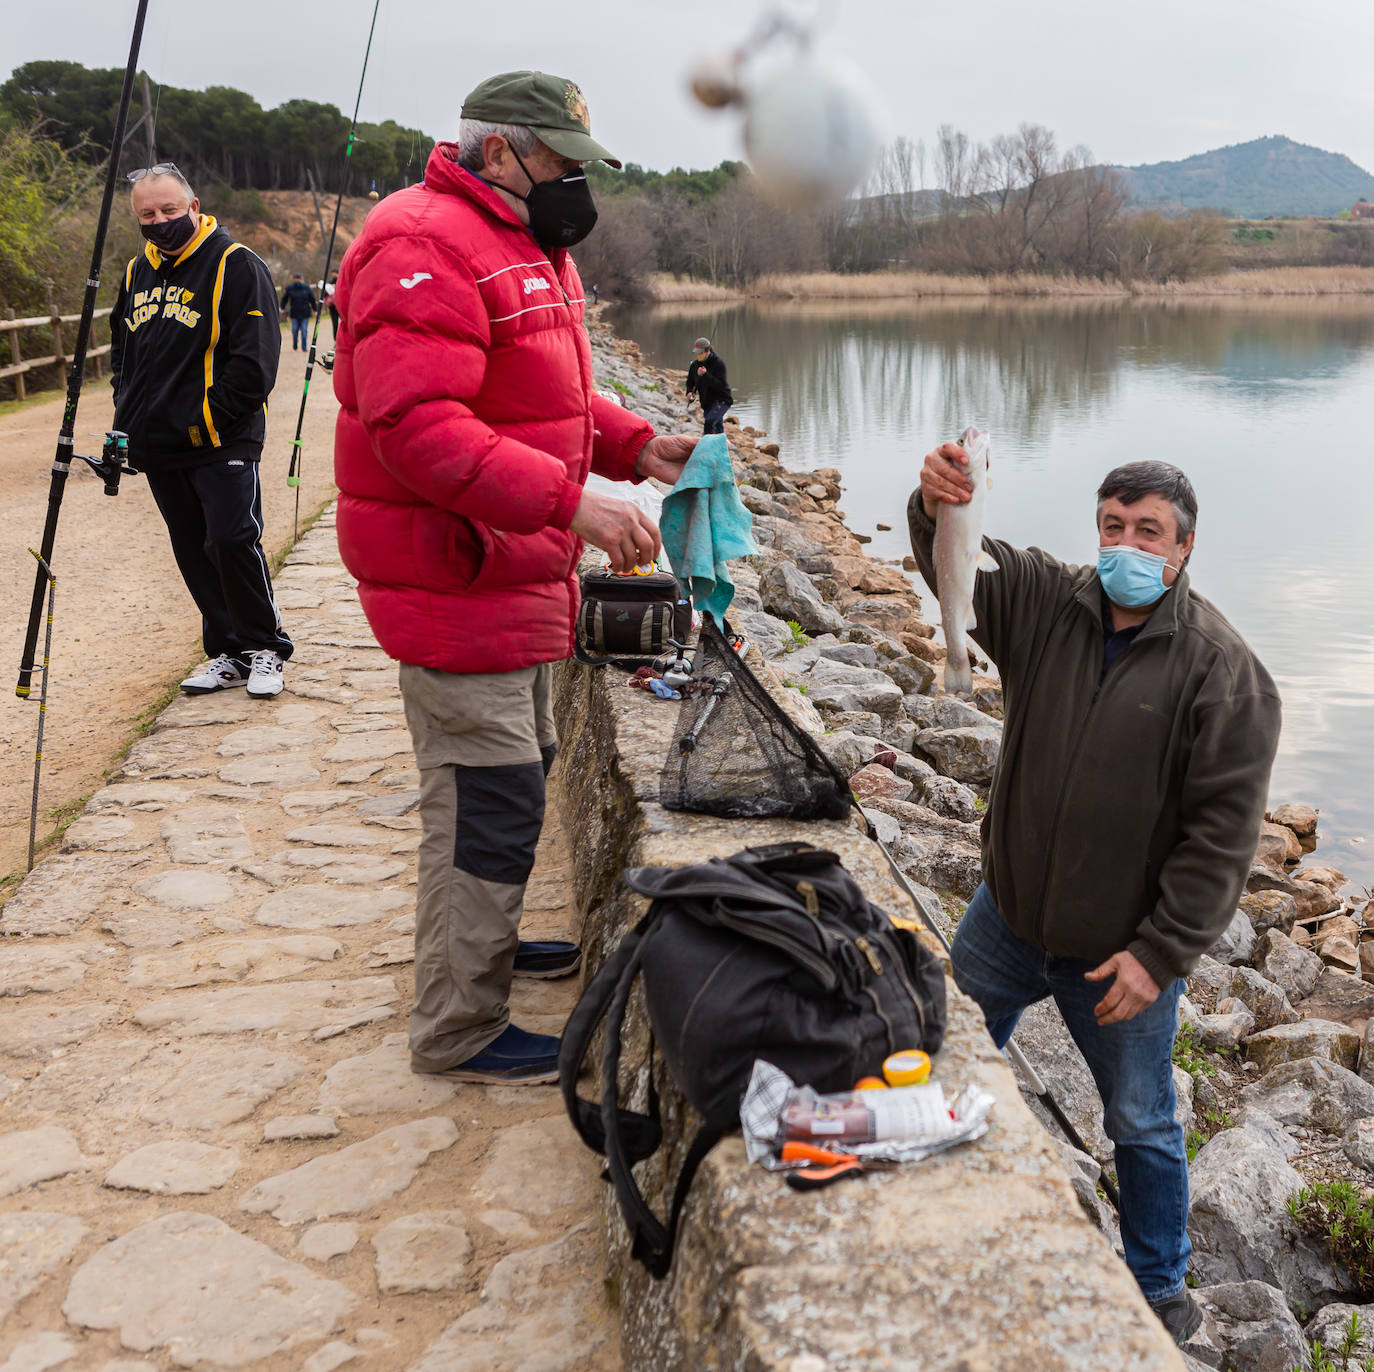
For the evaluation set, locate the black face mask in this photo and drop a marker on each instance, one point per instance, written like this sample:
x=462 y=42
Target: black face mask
x=561 y=211
x=171 y=234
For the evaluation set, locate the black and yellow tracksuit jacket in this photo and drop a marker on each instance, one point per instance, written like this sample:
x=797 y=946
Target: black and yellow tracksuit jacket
x=195 y=344
x=1125 y=807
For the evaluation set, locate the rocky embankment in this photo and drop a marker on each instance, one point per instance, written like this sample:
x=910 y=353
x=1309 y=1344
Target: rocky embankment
x=1275 y=1061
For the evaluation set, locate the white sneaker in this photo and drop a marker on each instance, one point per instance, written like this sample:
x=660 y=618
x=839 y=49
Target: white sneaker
x=218 y=675
x=265 y=680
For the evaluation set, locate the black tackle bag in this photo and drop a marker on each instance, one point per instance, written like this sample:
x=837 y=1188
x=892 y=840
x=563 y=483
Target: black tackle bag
x=773 y=953
x=628 y=620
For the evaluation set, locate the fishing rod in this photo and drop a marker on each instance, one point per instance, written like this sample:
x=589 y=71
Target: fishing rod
x=110 y=465
x=293 y=474
x=1019 y=1060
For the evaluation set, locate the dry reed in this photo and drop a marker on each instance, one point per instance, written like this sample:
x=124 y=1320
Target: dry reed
x=1272 y=281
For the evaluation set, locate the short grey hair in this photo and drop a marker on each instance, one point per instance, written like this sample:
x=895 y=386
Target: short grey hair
x=171 y=174
x=471 y=132
x=1136 y=480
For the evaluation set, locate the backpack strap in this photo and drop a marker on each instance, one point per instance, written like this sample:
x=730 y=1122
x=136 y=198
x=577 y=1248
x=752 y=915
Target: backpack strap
x=641 y=1133
x=651 y=1242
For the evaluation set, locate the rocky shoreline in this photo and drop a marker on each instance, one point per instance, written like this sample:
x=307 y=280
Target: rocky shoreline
x=1275 y=1059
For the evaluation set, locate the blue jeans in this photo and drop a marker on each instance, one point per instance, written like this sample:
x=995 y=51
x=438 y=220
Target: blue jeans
x=298 y=328
x=1131 y=1062
x=713 y=422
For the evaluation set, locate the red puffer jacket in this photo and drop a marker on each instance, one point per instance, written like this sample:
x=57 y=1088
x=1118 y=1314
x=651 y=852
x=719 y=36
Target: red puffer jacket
x=467 y=425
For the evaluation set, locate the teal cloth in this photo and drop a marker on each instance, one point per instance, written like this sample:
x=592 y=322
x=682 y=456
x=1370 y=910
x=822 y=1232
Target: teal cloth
x=704 y=524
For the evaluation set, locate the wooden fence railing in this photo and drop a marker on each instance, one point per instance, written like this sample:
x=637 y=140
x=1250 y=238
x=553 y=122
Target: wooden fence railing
x=20 y=366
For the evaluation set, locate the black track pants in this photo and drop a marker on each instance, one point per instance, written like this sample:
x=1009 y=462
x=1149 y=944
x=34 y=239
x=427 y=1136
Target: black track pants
x=214 y=516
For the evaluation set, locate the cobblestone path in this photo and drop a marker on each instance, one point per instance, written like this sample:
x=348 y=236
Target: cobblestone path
x=212 y=1150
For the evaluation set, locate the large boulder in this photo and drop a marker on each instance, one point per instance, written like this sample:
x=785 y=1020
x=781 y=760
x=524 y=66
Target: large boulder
x=910 y=673
x=1223 y=1031
x=767 y=632
x=787 y=592
x=1301 y=819
x=1330 y=1323
x=1277 y=846
x=840 y=686
x=1237 y=941
x=1251 y=1327
x=1311 y=1093
x=1308 y=1038
x=953 y=713
x=1240 y=1182
x=1288 y=966
x=1043 y=1038
x=1270 y=909
x=1265 y=1001
x=966 y=754
x=1341 y=997
x=875 y=782
x=948 y=797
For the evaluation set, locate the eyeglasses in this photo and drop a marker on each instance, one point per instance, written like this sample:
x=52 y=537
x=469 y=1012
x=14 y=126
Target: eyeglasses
x=161 y=169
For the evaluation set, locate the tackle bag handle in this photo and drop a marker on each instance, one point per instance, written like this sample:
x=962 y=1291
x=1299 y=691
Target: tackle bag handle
x=652 y=1242
x=643 y=1133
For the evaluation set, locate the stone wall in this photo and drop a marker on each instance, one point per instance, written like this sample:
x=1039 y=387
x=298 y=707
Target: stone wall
x=978 y=1259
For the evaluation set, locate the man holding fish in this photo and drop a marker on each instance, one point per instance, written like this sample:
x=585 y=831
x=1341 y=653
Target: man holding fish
x=1125 y=808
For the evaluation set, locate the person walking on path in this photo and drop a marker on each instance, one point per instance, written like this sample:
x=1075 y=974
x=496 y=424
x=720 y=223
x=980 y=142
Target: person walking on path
x=706 y=383
x=195 y=343
x=468 y=423
x=298 y=300
x=1125 y=809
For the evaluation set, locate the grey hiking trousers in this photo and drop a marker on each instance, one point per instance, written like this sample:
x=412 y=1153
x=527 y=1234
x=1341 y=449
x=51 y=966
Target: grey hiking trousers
x=484 y=744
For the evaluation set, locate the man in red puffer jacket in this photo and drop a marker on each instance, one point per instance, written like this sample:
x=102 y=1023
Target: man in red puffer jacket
x=467 y=425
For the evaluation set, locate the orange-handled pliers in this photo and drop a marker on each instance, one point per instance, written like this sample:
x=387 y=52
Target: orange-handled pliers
x=824 y=1166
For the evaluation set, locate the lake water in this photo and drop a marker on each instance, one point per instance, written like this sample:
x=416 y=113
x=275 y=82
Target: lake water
x=1268 y=406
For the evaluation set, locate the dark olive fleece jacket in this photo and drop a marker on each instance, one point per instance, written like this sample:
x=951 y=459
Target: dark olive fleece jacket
x=1125 y=809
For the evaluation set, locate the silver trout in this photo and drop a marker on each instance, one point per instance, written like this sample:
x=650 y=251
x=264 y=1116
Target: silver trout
x=959 y=557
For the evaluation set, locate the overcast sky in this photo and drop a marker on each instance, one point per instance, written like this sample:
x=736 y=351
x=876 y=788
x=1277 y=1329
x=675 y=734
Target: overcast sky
x=1135 y=83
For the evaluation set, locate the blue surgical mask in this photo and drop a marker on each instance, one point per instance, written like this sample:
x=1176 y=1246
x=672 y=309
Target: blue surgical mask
x=1131 y=578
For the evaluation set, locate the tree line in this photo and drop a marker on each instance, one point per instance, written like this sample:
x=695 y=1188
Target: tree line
x=218 y=134
x=1014 y=204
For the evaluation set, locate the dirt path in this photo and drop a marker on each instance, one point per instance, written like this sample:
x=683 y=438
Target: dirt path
x=125 y=628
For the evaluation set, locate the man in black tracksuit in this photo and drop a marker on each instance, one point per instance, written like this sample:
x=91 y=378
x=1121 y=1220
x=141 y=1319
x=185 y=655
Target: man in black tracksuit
x=195 y=345
x=706 y=380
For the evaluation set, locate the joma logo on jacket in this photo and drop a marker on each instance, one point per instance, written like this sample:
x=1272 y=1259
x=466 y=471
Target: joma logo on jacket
x=535 y=283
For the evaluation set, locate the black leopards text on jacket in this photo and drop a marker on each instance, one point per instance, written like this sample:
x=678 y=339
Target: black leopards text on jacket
x=195 y=344
x=1124 y=810
x=706 y=380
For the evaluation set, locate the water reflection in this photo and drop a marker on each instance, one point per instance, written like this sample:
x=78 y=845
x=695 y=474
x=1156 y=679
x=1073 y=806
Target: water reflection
x=1266 y=404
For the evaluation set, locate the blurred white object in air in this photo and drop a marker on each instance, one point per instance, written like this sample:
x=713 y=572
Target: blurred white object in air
x=809 y=129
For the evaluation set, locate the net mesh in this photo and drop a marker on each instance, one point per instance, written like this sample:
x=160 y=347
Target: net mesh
x=736 y=754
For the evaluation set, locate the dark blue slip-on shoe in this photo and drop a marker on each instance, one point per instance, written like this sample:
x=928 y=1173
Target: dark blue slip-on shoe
x=547 y=960
x=514 y=1057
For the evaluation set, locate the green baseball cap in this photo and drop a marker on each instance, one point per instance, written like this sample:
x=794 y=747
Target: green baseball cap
x=552 y=108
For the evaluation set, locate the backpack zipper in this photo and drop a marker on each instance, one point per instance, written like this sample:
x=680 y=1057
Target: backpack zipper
x=882 y=1015
x=866 y=948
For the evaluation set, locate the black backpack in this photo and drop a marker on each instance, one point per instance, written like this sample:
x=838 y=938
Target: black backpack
x=773 y=953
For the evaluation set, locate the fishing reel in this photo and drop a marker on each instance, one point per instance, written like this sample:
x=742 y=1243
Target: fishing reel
x=676 y=667
x=113 y=461
x=809 y=131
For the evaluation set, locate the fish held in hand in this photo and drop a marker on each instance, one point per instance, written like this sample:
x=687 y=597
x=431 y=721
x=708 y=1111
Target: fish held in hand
x=959 y=557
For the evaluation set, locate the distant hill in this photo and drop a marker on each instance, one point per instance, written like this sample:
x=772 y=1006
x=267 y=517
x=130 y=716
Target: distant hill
x=1263 y=177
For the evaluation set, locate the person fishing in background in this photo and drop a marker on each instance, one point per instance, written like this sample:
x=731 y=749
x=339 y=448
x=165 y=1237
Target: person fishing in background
x=706 y=383
x=1125 y=808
